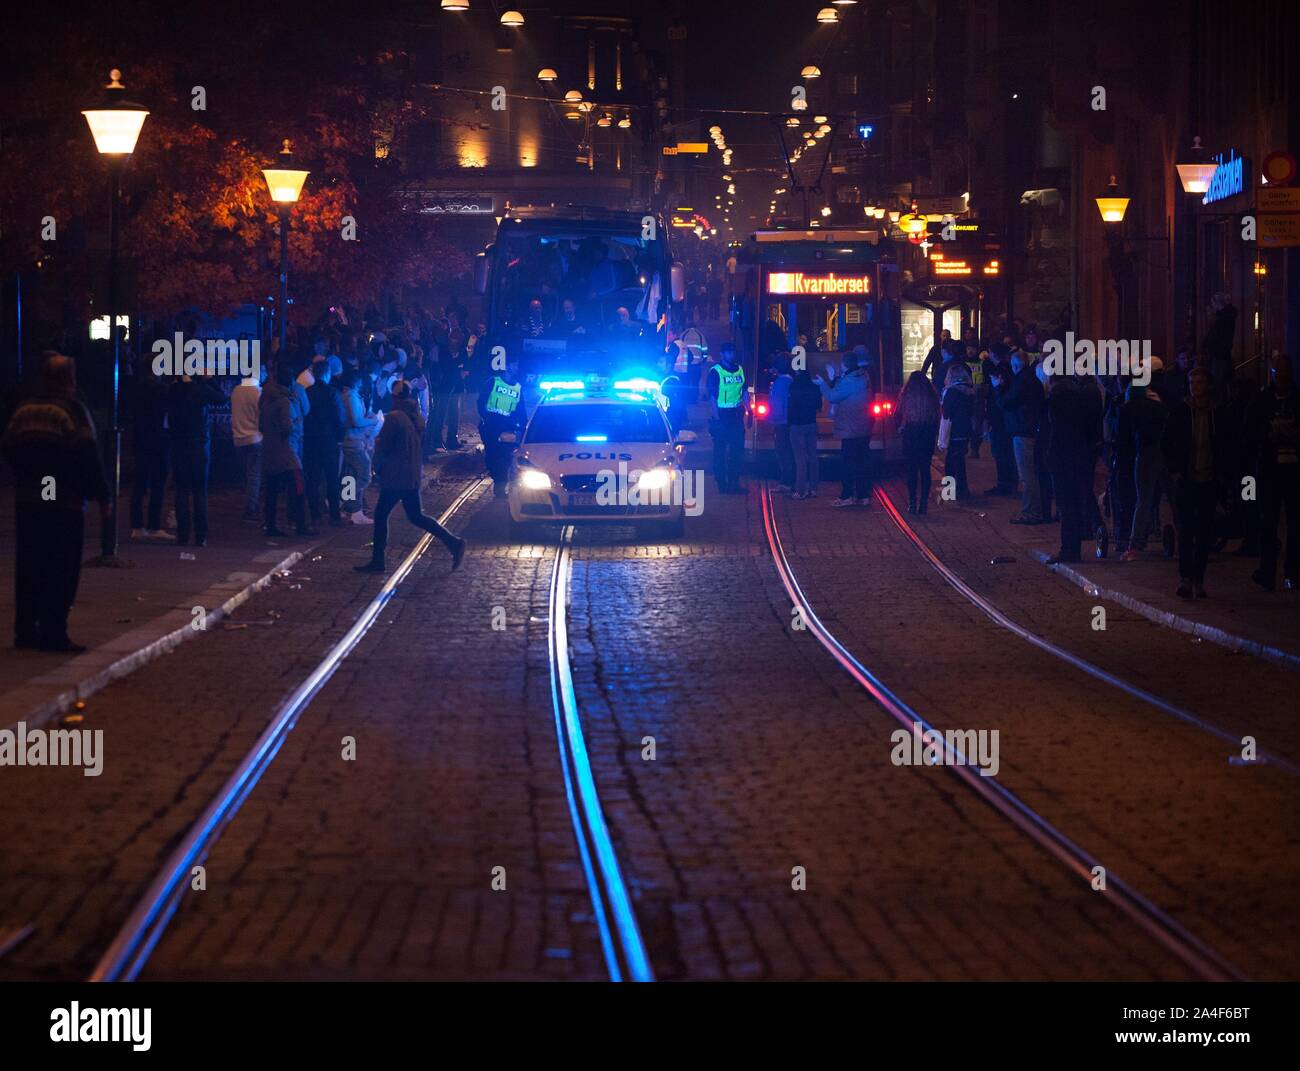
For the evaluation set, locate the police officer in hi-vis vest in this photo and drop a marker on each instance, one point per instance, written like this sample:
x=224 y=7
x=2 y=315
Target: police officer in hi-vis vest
x=730 y=400
x=500 y=410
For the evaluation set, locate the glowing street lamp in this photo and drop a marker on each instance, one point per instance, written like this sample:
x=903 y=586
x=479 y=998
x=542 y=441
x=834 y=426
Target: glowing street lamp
x=285 y=185
x=828 y=15
x=1196 y=175
x=547 y=74
x=512 y=18
x=810 y=72
x=1112 y=207
x=573 y=96
x=455 y=5
x=115 y=126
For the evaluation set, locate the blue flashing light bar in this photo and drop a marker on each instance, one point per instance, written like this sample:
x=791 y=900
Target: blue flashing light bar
x=592 y=438
x=561 y=384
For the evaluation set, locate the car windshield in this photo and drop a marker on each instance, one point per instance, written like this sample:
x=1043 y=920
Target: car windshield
x=596 y=424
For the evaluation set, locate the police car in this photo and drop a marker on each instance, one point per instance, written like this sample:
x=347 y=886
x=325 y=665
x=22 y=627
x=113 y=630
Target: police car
x=597 y=453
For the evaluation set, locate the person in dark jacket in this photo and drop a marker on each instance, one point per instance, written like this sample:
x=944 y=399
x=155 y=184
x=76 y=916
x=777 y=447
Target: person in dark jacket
x=151 y=452
x=997 y=367
x=1021 y=403
x=1217 y=344
x=918 y=428
x=322 y=436
x=1139 y=469
x=398 y=453
x=802 y=407
x=959 y=410
x=1274 y=428
x=1073 y=419
x=280 y=419
x=190 y=428
x=1194 y=456
x=50 y=445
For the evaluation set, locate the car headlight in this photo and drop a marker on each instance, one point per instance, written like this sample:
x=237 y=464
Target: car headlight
x=534 y=480
x=656 y=479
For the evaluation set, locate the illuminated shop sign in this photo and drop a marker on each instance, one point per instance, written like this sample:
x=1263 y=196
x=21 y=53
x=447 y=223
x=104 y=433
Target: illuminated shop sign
x=798 y=283
x=1229 y=178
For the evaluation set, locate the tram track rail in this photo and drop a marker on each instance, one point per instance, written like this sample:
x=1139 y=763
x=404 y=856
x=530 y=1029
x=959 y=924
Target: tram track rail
x=624 y=950
x=1200 y=957
x=987 y=607
x=144 y=927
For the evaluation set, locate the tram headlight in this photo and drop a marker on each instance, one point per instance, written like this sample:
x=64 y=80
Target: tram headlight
x=534 y=480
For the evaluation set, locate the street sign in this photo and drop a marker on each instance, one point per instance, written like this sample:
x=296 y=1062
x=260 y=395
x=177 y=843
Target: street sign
x=1278 y=231
x=1278 y=168
x=693 y=146
x=670 y=150
x=1277 y=199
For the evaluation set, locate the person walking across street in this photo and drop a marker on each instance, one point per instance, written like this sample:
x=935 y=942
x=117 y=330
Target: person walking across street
x=50 y=446
x=850 y=395
x=398 y=455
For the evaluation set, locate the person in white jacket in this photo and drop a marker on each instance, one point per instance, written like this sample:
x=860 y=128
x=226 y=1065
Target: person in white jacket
x=244 y=430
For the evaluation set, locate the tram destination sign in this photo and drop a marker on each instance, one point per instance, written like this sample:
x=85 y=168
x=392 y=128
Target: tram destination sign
x=818 y=284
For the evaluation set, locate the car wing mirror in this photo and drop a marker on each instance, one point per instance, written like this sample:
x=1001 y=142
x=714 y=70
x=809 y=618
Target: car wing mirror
x=684 y=438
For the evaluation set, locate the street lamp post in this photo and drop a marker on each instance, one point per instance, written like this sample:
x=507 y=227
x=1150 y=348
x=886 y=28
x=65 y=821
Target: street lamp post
x=115 y=125
x=285 y=186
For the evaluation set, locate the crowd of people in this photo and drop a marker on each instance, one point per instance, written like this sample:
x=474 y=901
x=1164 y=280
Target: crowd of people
x=305 y=428
x=1219 y=452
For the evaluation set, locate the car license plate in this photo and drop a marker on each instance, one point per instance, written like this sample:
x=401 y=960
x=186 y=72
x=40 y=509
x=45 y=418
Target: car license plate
x=582 y=502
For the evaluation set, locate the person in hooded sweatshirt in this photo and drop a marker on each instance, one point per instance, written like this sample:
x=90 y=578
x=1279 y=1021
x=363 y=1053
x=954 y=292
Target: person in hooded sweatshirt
x=959 y=408
x=397 y=463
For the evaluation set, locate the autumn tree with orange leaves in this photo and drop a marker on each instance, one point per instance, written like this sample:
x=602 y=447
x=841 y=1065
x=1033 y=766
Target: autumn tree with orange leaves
x=198 y=227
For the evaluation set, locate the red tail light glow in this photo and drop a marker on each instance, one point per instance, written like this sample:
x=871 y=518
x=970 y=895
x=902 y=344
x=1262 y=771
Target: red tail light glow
x=762 y=408
x=876 y=409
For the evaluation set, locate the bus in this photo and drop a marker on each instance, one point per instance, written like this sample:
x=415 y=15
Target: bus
x=828 y=291
x=579 y=291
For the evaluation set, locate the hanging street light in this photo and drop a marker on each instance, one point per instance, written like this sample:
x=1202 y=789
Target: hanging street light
x=547 y=74
x=1112 y=207
x=1196 y=174
x=512 y=18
